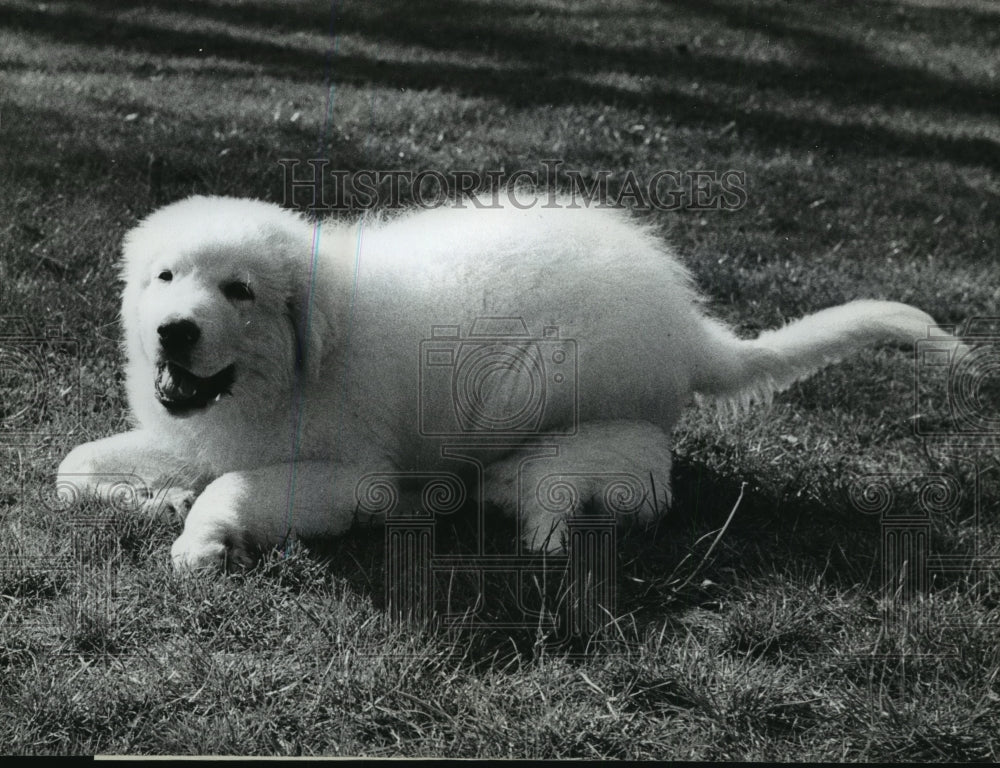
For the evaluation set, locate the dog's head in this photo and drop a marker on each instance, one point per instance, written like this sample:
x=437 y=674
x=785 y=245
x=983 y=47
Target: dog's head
x=226 y=303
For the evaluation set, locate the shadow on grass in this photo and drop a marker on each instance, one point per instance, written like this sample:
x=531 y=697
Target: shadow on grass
x=663 y=574
x=660 y=572
x=851 y=73
x=120 y=165
x=543 y=67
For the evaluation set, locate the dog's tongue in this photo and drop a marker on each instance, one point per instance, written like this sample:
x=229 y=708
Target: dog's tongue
x=180 y=391
x=175 y=384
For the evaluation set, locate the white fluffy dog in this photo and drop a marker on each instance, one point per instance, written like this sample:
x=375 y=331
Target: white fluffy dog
x=274 y=366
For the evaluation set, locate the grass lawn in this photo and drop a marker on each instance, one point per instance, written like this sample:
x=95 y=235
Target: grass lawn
x=869 y=134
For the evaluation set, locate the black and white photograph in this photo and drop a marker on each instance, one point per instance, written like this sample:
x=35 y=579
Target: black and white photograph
x=505 y=379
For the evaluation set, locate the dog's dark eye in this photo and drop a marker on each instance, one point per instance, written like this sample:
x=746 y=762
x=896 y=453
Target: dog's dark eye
x=166 y=276
x=237 y=291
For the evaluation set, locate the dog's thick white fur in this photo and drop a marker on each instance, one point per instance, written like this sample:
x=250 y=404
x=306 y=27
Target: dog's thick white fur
x=275 y=366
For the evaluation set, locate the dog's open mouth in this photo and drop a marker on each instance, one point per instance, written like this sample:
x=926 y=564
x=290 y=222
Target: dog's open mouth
x=180 y=391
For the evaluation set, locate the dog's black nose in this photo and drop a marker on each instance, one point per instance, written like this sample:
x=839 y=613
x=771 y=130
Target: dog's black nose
x=179 y=336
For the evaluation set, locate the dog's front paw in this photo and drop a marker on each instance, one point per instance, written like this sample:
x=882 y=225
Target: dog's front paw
x=198 y=554
x=170 y=501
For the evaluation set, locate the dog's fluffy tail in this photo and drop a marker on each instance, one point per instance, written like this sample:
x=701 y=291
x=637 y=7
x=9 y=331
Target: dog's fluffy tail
x=740 y=372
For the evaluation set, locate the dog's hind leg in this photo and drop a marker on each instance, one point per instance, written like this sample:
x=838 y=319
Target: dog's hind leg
x=617 y=469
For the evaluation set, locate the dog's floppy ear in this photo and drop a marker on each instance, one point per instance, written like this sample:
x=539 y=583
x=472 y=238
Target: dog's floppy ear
x=319 y=299
x=313 y=330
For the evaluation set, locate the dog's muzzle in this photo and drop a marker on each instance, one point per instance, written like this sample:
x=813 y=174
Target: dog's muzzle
x=180 y=391
x=177 y=339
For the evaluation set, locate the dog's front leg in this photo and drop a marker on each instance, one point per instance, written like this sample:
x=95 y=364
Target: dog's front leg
x=247 y=510
x=130 y=468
